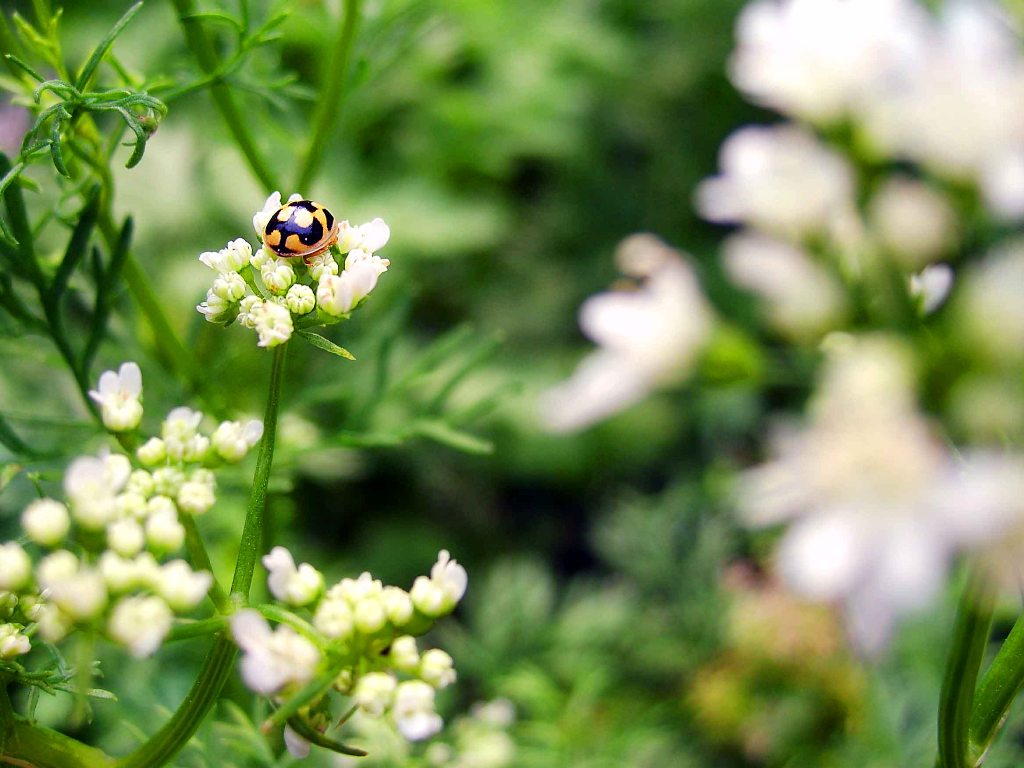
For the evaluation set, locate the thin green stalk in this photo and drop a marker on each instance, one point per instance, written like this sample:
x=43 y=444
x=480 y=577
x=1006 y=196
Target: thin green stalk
x=998 y=688
x=170 y=739
x=970 y=636
x=187 y=630
x=34 y=746
x=206 y=56
x=201 y=558
x=329 y=103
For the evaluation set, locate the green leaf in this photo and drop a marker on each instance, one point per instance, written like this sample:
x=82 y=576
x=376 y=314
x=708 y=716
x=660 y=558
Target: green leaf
x=10 y=440
x=89 y=69
x=55 y=149
x=320 y=342
x=24 y=67
x=8 y=472
x=78 y=244
x=106 y=281
x=443 y=433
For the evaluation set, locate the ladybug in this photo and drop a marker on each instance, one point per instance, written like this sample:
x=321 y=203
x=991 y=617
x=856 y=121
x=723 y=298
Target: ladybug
x=300 y=228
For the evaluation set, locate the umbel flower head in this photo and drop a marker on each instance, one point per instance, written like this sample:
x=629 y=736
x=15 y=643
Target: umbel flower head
x=103 y=560
x=358 y=632
x=273 y=295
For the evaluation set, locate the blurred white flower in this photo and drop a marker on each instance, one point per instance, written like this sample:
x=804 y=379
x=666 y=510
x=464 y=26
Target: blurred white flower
x=229 y=259
x=931 y=286
x=164 y=533
x=296 y=745
x=875 y=503
x=333 y=618
x=954 y=106
x=79 y=591
x=181 y=439
x=125 y=537
x=272 y=322
x=295 y=586
x=777 y=179
x=46 y=522
x=991 y=311
x=12 y=642
x=440 y=593
x=181 y=587
x=403 y=654
x=369 y=237
x=647 y=338
x=152 y=452
x=816 y=59
x=91 y=488
x=414 y=712
x=801 y=298
x=912 y=221
x=437 y=668
x=118 y=397
x=15 y=567
x=375 y=692
x=272 y=659
x=140 y=623
x=233 y=439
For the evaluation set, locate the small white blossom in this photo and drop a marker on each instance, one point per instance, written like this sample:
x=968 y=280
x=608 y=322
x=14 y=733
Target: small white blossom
x=152 y=452
x=300 y=299
x=12 y=642
x=398 y=605
x=181 y=587
x=801 y=298
x=230 y=286
x=295 y=586
x=233 y=439
x=992 y=313
x=181 y=438
x=414 y=711
x=125 y=537
x=247 y=310
x=270 y=207
x=913 y=221
x=140 y=482
x=780 y=180
x=46 y=522
x=369 y=615
x=931 y=286
x=339 y=294
x=216 y=309
x=369 y=237
x=437 y=668
x=439 y=594
x=322 y=264
x=647 y=338
x=15 y=567
x=333 y=618
x=374 y=692
x=140 y=624
x=278 y=276
x=118 y=397
x=229 y=259
x=296 y=745
x=163 y=531
x=272 y=322
x=272 y=659
x=53 y=623
x=403 y=654
x=196 y=497
x=80 y=592
x=122 y=574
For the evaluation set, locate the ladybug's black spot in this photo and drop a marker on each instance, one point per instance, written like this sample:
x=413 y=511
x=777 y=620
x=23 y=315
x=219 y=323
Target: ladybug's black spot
x=310 y=235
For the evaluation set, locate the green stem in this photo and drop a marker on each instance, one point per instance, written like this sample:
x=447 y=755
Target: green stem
x=329 y=103
x=970 y=637
x=201 y=558
x=206 y=56
x=312 y=692
x=33 y=746
x=998 y=688
x=169 y=740
x=188 y=630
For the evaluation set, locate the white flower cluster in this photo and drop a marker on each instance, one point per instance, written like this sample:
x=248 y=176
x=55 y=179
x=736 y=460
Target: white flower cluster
x=271 y=295
x=362 y=632
x=100 y=553
x=647 y=337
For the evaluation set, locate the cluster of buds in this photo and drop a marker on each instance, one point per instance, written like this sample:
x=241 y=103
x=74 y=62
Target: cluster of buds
x=273 y=296
x=103 y=559
x=359 y=635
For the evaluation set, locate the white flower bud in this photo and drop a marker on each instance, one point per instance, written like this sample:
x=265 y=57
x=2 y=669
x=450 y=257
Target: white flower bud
x=403 y=654
x=88 y=484
x=273 y=323
x=278 y=276
x=130 y=504
x=12 y=642
x=354 y=590
x=140 y=624
x=374 y=235
x=46 y=522
x=15 y=567
x=152 y=452
x=163 y=531
x=119 y=574
x=167 y=481
x=53 y=623
x=232 y=439
x=427 y=597
x=374 y=692
x=196 y=497
x=261 y=218
x=181 y=587
x=296 y=745
x=229 y=286
x=322 y=264
x=300 y=299
x=247 y=309
x=333 y=619
x=295 y=586
x=450 y=576
x=398 y=605
x=216 y=309
x=274 y=659
x=118 y=397
x=414 y=710
x=126 y=537
x=437 y=668
x=140 y=482
x=339 y=294
x=80 y=593
x=231 y=258
x=369 y=615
